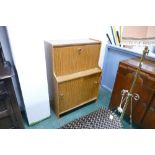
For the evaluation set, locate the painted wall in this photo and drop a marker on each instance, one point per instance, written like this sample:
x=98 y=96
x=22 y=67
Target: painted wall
x=8 y=56
x=29 y=58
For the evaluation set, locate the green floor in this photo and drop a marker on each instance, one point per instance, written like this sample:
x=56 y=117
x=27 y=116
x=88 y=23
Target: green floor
x=53 y=122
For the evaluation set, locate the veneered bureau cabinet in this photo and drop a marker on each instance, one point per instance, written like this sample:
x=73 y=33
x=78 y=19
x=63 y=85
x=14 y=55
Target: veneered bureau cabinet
x=73 y=73
x=143 y=109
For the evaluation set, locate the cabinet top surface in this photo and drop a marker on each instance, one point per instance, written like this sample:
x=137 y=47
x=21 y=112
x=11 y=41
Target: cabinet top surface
x=147 y=65
x=73 y=42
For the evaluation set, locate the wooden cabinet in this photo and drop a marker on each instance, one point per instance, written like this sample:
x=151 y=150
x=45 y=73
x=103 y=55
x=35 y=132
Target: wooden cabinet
x=10 y=115
x=75 y=74
x=143 y=109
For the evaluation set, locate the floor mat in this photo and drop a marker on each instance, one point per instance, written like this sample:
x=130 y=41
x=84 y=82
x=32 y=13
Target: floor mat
x=99 y=119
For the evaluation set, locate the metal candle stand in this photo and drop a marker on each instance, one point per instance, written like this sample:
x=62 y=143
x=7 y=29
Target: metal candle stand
x=128 y=95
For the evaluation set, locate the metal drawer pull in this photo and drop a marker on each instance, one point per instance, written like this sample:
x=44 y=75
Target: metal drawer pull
x=145 y=105
x=96 y=82
x=152 y=109
x=79 y=50
x=4 y=114
x=61 y=96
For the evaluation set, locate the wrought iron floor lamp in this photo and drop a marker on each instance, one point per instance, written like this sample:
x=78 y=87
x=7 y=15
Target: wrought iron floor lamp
x=141 y=36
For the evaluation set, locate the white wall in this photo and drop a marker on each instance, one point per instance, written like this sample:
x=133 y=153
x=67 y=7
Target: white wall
x=28 y=54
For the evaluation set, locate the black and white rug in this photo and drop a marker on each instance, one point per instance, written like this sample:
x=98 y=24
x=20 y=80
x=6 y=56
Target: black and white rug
x=99 y=119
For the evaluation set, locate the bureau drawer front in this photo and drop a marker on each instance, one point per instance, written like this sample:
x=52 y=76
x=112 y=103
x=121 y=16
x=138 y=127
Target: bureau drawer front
x=79 y=91
x=71 y=59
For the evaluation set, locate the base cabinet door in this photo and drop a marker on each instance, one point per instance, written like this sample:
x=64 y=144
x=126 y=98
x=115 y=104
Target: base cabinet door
x=76 y=92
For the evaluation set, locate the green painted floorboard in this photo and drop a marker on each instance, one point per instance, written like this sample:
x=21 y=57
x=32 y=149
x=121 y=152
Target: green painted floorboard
x=53 y=122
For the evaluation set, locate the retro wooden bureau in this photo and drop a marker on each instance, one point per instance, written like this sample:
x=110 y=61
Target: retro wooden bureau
x=144 y=108
x=73 y=73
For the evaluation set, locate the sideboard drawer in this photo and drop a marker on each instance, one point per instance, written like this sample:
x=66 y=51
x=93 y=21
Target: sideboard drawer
x=82 y=57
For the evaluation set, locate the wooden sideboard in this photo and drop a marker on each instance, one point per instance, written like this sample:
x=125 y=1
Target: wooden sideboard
x=144 y=108
x=10 y=115
x=75 y=74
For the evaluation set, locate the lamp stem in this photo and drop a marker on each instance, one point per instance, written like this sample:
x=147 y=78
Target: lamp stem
x=129 y=95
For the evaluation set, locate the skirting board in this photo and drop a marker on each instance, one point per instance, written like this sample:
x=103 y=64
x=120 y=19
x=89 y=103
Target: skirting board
x=107 y=88
x=34 y=123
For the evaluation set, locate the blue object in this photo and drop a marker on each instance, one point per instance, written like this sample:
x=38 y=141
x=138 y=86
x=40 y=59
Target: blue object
x=108 y=38
x=113 y=55
x=118 y=38
x=112 y=31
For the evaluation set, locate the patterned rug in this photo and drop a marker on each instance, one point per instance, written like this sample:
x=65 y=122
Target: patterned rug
x=99 y=119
